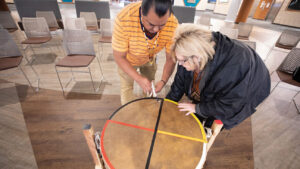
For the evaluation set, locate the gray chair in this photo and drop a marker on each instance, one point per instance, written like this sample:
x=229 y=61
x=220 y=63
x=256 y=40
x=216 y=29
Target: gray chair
x=90 y=20
x=11 y=57
x=7 y=21
x=37 y=33
x=28 y=8
x=287 y=40
x=50 y=19
x=101 y=9
x=106 y=27
x=78 y=45
x=286 y=69
x=184 y=14
x=244 y=30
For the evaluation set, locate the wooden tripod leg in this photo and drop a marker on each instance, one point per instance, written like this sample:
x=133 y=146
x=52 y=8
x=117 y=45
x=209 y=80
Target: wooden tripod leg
x=88 y=132
x=216 y=128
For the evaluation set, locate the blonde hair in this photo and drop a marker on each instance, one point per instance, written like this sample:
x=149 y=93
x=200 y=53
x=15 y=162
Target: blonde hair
x=192 y=40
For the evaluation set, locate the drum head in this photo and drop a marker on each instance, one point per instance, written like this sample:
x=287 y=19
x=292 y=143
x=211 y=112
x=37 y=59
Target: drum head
x=152 y=133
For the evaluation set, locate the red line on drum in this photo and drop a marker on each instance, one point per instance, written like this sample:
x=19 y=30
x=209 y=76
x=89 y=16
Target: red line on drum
x=102 y=147
x=131 y=125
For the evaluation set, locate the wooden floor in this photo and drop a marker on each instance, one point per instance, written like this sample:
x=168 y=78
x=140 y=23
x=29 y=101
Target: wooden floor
x=55 y=125
x=55 y=129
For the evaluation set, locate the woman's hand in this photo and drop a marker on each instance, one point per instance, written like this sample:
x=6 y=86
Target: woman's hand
x=189 y=107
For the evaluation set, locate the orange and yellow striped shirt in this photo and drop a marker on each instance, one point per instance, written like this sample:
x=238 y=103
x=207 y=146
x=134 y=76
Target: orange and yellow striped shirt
x=129 y=37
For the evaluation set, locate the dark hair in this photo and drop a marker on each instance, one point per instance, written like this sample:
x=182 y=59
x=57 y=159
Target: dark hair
x=161 y=6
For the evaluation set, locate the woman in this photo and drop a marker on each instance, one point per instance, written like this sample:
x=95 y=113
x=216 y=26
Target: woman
x=224 y=78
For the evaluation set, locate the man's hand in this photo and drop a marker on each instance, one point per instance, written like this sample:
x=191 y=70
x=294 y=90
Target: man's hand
x=189 y=107
x=158 y=86
x=145 y=84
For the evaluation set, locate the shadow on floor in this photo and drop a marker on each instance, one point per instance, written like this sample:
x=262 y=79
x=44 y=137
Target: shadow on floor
x=79 y=86
x=6 y=96
x=40 y=59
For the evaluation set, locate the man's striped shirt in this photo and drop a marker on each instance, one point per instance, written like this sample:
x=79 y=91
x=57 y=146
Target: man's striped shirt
x=129 y=37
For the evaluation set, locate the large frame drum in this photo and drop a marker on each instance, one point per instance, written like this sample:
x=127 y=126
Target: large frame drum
x=152 y=133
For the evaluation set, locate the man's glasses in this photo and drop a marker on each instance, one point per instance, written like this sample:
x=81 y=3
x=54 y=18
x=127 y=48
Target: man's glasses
x=152 y=25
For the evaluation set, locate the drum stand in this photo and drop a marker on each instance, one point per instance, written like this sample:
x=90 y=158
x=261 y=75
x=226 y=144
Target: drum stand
x=89 y=135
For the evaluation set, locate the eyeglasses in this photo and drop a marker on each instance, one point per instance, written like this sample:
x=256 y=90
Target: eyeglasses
x=152 y=25
x=181 y=62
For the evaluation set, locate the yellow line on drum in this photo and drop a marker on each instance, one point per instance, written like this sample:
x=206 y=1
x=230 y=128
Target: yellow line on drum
x=199 y=123
x=171 y=101
x=201 y=127
x=181 y=136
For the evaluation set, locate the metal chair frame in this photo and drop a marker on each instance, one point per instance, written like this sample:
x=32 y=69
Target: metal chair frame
x=73 y=78
x=26 y=77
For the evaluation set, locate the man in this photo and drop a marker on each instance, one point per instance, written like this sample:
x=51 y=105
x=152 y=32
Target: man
x=141 y=30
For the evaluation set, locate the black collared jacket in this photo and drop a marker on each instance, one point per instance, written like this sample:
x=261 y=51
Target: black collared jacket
x=234 y=83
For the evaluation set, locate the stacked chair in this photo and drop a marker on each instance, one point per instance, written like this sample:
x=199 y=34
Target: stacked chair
x=50 y=19
x=37 y=33
x=90 y=20
x=244 y=30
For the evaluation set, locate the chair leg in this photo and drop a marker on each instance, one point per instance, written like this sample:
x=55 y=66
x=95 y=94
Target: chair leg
x=36 y=74
x=48 y=46
x=101 y=44
x=34 y=54
x=99 y=49
x=26 y=78
x=73 y=77
x=62 y=88
x=100 y=68
x=96 y=90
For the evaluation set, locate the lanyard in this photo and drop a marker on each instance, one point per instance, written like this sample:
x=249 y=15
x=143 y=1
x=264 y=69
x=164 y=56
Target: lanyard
x=151 y=51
